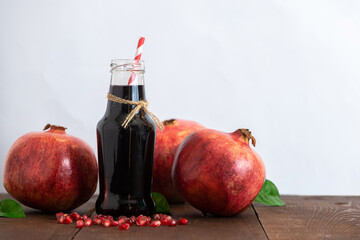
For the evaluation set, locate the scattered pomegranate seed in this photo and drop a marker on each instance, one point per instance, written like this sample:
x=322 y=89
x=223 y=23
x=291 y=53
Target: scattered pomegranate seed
x=107 y=223
x=97 y=221
x=121 y=221
x=141 y=220
x=124 y=226
x=155 y=223
x=88 y=222
x=164 y=221
x=60 y=219
x=67 y=220
x=182 y=221
x=171 y=223
x=75 y=216
x=129 y=221
x=114 y=223
x=80 y=223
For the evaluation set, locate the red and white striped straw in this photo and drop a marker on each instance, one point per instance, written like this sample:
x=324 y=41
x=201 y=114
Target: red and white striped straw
x=139 y=48
x=137 y=57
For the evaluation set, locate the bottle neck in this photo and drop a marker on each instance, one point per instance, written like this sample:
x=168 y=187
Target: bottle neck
x=127 y=82
x=131 y=92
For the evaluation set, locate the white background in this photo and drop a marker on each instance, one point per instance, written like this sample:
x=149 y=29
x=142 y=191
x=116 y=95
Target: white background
x=288 y=70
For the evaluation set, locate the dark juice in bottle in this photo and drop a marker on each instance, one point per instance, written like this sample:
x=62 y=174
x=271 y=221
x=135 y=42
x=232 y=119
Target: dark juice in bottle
x=125 y=157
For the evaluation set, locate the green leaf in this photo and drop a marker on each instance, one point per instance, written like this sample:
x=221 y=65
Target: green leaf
x=269 y=195
x=11 y=209
x=162 y=206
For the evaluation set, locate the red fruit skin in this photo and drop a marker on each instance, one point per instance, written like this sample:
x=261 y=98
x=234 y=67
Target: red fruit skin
x=217 y=172
x=51 y=171
x=167 y=142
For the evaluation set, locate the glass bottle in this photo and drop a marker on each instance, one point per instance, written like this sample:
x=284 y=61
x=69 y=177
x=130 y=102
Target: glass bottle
x=126 y=155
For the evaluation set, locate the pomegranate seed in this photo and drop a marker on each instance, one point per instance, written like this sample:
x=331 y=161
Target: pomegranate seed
x=60 y=219
x=124 y=226
x=164 y=221
x=85 y=217
x=107 y=223
x=157 y=217
x=88 y=222
x=121 y=221
x=131 y=220
x=59 y=214
x=155 y=223
x=75 y=216
x=114 y=223
x=67 y=220
x=182 y=221
x=141 y=220
x=80 y=223
x=97 y=221
x=171 y=223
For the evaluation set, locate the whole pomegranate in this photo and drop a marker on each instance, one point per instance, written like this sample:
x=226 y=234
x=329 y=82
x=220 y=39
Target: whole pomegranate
x=51 y=171
x=167 y=142
x=217 y=172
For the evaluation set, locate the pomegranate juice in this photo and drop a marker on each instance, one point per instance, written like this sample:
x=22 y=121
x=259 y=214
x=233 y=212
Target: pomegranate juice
x=125 y=157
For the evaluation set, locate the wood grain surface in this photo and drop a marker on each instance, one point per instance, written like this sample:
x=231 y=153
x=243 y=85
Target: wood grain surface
x=38 y=225
x=244 y=226
x=312 y=217
x=303 y=217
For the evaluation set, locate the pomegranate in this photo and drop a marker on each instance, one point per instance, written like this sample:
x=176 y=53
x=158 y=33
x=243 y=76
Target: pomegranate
x=167 y=142
x=51 y=170
x=217 y=172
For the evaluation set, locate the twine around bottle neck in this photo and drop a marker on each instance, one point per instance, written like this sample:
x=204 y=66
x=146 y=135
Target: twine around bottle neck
x=139 y=105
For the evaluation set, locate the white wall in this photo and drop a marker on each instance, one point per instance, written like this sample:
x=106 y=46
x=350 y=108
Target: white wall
x=288 y=70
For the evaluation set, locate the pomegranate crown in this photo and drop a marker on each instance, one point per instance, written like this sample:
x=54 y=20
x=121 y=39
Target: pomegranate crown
x=247 y=134
x=47 y=126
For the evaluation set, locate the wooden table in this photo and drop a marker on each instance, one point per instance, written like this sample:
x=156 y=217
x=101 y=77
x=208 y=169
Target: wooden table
x=303 y=217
